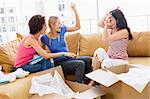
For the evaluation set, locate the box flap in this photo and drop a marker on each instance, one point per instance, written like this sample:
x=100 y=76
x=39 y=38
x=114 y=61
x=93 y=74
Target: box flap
x=77 y=86
x=85 y=91
x=102 y=77
x=118 y=69
x=91 y=93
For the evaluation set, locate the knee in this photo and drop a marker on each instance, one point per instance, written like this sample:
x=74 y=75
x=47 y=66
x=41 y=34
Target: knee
x=99 y=50
x=89 y=60
x=81 y=64
x=49 y=64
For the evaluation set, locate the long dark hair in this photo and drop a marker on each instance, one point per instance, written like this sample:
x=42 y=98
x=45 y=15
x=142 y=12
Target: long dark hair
x=121 y=22
x=36 y=23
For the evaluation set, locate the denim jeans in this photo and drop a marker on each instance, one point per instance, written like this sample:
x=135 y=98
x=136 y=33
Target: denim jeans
x=42 y=65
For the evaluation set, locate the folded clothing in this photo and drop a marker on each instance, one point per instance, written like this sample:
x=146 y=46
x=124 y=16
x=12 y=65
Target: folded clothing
x=11 y=77
x=36 y=60
x=20 y=73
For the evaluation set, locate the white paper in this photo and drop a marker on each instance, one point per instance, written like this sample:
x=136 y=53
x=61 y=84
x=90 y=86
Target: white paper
x=46 y=84
x=136 y=78
x=102 y=77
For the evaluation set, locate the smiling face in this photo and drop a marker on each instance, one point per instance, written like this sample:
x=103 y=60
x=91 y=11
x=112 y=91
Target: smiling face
x=43 y=30
x=57 y=25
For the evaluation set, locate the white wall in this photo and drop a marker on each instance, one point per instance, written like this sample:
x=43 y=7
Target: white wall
x=90 y=11
x=135 y=11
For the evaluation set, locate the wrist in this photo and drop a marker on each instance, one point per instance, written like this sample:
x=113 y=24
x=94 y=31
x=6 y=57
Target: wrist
x=63 y=53
x=105 y=29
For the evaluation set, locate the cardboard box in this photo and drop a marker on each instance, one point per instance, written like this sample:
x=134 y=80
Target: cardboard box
x=118 y=89
x=85 y=90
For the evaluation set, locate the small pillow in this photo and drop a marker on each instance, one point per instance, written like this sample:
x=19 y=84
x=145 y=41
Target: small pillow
x=20 y=36
x=8 y=54
x=7 y=68
x=20 y=73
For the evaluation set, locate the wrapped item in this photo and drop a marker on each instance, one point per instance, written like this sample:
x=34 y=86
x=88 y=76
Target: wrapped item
x=46 y=84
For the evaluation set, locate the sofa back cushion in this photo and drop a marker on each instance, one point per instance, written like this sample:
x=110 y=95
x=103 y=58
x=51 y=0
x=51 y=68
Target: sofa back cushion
x=72 y=42
x=140 y=45
x=89 y=43
x=8 y=54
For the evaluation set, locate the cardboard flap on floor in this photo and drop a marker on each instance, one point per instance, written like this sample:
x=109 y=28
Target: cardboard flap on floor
x=102 y=77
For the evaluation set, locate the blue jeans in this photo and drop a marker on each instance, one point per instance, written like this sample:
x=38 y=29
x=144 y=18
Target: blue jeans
x=42 y=65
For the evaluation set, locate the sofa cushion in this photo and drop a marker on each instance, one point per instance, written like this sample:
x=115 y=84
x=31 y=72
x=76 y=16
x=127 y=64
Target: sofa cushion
x=89 y=43
x=73 y=42
x=140 y=45
x=8 y=54
x=140 y=60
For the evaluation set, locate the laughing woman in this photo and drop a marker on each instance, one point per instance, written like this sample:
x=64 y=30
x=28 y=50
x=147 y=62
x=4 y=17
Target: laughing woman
x=55 y=42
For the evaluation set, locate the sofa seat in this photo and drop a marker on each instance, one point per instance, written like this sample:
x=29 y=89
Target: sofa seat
x=19 y=89
x=140 y=60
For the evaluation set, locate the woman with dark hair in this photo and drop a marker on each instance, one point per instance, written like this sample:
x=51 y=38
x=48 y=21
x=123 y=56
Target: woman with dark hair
x=29 y=46
x=116 y=33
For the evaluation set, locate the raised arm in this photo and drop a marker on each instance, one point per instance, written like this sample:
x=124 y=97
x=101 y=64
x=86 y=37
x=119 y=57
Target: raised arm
x=101 y=22
x=77 y=25
x=105 y=23
x=119 y=35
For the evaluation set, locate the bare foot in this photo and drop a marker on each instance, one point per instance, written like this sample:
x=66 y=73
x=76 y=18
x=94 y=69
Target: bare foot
x=92 y=83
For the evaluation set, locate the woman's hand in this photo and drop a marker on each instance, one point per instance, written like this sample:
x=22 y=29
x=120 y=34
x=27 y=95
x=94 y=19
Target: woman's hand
x=69 y=54
x=73 y=6
x=107 y=20
x=104 y=21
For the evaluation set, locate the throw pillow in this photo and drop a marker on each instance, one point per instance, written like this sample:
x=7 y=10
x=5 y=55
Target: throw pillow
x=73 y=42
x=20 y=36
x=8 y=54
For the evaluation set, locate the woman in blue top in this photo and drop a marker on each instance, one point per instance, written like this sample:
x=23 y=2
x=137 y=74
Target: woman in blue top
x=55 y=42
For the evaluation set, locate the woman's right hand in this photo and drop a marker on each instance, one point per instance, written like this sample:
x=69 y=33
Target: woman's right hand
x=107 y=20
x=69 y=54
x=73 y=6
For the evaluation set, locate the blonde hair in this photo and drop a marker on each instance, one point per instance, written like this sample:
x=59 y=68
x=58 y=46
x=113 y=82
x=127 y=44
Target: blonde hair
x=52 y=20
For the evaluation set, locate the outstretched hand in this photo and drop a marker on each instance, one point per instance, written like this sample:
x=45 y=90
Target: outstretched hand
x=69 y=54
x=73 y=6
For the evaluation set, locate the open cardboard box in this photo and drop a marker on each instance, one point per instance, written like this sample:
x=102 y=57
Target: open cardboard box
x=118 y=89
x=84 y=90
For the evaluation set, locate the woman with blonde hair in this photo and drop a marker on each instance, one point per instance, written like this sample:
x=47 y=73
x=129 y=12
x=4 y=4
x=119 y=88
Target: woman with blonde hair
x=55 y=42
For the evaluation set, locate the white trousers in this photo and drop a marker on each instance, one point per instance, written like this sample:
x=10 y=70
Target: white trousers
x=106 y=61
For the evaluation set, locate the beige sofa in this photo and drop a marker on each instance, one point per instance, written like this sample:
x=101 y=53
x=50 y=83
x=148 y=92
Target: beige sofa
x=81 y=44
x=138 y=48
